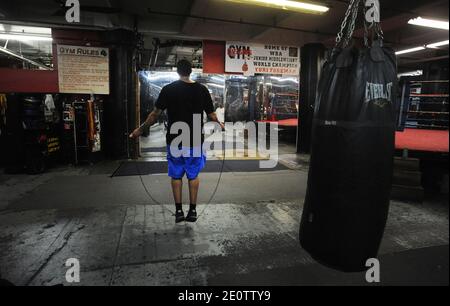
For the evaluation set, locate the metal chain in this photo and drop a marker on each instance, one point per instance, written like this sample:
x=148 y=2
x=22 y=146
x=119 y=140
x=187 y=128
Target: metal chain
x=348 y=25
x=366 y=29
x=353 y=23
x=374 y=26
x=379 y=31
x=377 y=26
x=344 y=23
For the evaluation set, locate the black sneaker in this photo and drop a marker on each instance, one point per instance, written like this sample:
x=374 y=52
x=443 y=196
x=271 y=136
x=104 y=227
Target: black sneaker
x=191 y=216
x=179 y=216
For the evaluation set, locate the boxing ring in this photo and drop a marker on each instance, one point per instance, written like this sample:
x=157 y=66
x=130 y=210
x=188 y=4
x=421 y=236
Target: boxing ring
x=431 y=141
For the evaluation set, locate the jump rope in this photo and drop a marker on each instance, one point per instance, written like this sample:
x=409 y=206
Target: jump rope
x=149 y=194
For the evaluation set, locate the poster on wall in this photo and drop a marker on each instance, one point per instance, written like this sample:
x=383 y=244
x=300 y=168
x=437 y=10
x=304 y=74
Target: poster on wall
x=83 y=70
x=251 y=59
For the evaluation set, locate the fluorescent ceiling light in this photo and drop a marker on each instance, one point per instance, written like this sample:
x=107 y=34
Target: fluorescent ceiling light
x=411 y=73
x=430 y=46
x=19 y=29
x=410 y=50
x=24 y=37
x=304 y=7
x=438 y=44
x=430 y=23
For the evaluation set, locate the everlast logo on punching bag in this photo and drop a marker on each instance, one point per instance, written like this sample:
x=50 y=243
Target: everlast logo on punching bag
x=376 y=92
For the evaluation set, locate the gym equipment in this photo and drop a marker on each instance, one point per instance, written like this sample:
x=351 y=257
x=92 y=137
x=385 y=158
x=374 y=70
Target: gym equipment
x=349 y=184
x=83 y=120
x=35 y=135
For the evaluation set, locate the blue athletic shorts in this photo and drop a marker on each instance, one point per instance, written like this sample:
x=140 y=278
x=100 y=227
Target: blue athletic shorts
x=191 y=162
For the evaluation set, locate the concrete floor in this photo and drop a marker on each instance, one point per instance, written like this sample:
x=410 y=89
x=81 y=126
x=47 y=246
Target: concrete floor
x=246 y=236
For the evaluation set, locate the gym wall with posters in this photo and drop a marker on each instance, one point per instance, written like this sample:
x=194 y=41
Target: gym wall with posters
x=119 y=108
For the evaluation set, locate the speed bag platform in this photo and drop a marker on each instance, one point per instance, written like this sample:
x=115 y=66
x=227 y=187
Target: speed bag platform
x=350 y=176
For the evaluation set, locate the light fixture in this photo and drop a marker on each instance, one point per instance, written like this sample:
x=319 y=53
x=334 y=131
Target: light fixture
x=303 y=7
x=411 y=73
x=410 y=50
x=429 y=46
x=429 y=23
x=24 y=38
x=438 y=44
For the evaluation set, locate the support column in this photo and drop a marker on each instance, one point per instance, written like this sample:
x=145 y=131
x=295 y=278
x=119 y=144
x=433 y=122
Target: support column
x=312 y=58
x=120 y=110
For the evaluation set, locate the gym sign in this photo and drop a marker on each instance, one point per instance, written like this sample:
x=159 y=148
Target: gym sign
x=83 y=70
x=251 y=59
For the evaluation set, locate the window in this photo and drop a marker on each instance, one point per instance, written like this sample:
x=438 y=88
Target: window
x=24 y=47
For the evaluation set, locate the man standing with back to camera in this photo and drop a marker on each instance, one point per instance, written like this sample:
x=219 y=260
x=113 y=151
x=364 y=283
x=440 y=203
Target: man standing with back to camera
x=185 y=102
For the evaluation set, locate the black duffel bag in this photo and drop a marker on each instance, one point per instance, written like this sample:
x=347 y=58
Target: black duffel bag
x=350 y=176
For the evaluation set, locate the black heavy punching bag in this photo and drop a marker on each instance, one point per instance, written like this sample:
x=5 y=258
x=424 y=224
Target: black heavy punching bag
x=350 y=175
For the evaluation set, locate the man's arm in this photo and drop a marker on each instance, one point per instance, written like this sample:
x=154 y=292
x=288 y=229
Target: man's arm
x=151 y=119
x=213 y=117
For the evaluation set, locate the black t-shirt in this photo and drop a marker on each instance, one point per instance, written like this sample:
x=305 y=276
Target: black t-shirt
x=182 y=100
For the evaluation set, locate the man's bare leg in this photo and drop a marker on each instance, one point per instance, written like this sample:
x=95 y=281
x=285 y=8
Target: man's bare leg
x=177 y=190
x=193 y=192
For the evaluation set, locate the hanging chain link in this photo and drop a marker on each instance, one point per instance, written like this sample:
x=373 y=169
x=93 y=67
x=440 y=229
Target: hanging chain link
x=366 y=29
x=344 y=23
x=374 y=26
x=377 y=25
x=352 y=25
x=379 y=31
x=348 y=25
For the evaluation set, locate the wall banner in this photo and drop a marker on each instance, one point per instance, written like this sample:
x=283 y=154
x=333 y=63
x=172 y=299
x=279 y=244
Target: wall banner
x=251 y=59
x=83 y=70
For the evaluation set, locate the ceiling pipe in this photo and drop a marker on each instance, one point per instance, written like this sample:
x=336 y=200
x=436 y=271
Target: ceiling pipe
x=155 y=52
x=204 y=18
x=24 y=59
x=424 y=60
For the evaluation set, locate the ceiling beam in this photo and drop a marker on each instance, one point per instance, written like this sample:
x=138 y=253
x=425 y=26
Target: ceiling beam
x=191 y=7
x=394 y=18
x=241 y=22
x=276 y=22
x=424 y=60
